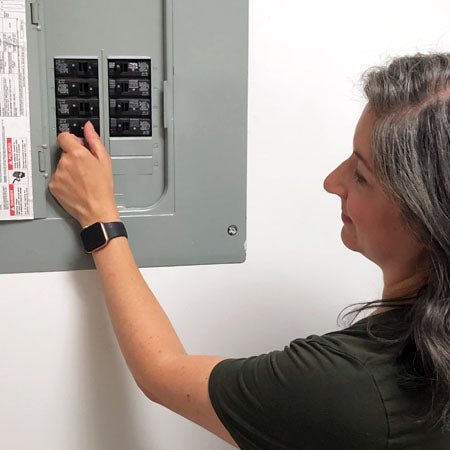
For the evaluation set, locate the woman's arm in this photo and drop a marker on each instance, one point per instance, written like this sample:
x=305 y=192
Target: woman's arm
x=83 y=184
x=160 y=365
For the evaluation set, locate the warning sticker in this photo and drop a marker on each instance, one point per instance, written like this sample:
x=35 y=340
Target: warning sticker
x=16 y=188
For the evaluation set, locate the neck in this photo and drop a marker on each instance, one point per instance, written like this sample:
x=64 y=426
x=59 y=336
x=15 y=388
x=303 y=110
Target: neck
x=401 y=286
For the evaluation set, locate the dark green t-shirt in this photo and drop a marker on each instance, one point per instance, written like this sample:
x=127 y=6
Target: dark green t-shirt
x=337 y=391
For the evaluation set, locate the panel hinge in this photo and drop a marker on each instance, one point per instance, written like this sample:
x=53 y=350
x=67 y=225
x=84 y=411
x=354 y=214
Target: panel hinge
x=34 y=13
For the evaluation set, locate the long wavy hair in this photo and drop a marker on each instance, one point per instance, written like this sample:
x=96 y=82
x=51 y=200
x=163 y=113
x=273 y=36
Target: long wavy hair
x=411 y=151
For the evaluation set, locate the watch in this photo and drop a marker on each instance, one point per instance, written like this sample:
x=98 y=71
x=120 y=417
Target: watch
x=97 y=236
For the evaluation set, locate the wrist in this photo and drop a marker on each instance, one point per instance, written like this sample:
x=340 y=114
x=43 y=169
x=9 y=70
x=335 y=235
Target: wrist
x=111 y=216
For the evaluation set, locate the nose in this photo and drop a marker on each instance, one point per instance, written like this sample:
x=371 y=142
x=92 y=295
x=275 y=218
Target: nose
x=334 y=183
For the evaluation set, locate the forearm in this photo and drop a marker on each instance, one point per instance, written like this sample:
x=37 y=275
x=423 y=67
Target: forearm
x=83 y=184
x=145 y=334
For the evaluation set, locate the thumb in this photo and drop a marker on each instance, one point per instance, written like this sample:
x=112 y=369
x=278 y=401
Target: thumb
x=93 y=140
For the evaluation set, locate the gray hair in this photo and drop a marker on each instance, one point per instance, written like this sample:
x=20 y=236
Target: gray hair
x=411 y=150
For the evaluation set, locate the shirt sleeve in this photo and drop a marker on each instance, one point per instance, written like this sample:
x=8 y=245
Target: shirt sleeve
x=308 y=396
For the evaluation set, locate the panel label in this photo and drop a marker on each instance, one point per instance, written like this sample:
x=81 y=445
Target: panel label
x=16 y=188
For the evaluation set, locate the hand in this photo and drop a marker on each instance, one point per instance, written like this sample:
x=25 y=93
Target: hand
x=83 y=182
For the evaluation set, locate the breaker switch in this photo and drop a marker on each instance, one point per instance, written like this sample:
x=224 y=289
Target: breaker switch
x=76 y=126
x=68 y=87
x=77 y=108
x=130 y=127
x=129 y=88
x=76 y=68
x=129 y=68
x=130 y=107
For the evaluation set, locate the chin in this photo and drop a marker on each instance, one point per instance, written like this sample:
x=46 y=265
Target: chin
x=349 y=241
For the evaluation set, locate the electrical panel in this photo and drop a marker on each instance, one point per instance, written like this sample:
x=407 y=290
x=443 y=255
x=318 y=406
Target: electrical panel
x=164 y=83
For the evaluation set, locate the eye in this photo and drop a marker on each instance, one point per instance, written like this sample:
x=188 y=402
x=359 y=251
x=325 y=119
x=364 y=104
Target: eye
x=359 y=179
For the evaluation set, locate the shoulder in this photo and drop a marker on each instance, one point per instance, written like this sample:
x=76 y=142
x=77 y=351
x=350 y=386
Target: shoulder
x=311 y=387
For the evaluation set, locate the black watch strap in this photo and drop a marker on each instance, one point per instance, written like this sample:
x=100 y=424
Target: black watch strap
x=115 y=229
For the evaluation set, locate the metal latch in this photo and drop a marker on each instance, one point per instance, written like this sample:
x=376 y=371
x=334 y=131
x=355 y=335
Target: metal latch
x=34 y=13
x=168 y=104
x=41 y=161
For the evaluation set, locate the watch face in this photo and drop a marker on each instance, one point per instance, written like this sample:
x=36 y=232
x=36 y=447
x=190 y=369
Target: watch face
x=93 y=237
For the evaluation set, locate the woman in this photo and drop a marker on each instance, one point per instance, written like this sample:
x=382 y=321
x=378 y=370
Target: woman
x=382 y=383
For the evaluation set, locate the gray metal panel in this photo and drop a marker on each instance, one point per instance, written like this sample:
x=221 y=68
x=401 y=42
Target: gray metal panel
x=109 y=31
x=202 y=152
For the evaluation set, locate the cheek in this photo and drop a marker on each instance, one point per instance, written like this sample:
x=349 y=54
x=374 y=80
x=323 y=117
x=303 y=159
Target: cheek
x=377 y=223
x=369 y=216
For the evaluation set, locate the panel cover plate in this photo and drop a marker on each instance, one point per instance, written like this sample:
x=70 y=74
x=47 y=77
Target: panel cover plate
x=179 y=190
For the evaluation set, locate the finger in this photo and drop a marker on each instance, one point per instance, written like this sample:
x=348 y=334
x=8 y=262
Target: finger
x=68 y=142
x=80 y=141
x=93 y=140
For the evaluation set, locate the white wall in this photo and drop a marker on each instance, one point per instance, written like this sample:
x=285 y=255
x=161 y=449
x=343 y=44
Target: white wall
x=64 y=384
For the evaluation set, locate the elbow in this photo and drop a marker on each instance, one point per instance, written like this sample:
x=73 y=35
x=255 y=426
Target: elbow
x=153 y=381
x=146 y=391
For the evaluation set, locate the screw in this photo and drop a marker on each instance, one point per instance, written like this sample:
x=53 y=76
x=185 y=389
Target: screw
x=232 y=230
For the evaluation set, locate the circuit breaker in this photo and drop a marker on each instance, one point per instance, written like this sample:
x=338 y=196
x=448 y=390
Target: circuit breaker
x=164 y=83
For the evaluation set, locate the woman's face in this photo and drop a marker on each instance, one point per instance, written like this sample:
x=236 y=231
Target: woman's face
x=373 y=226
